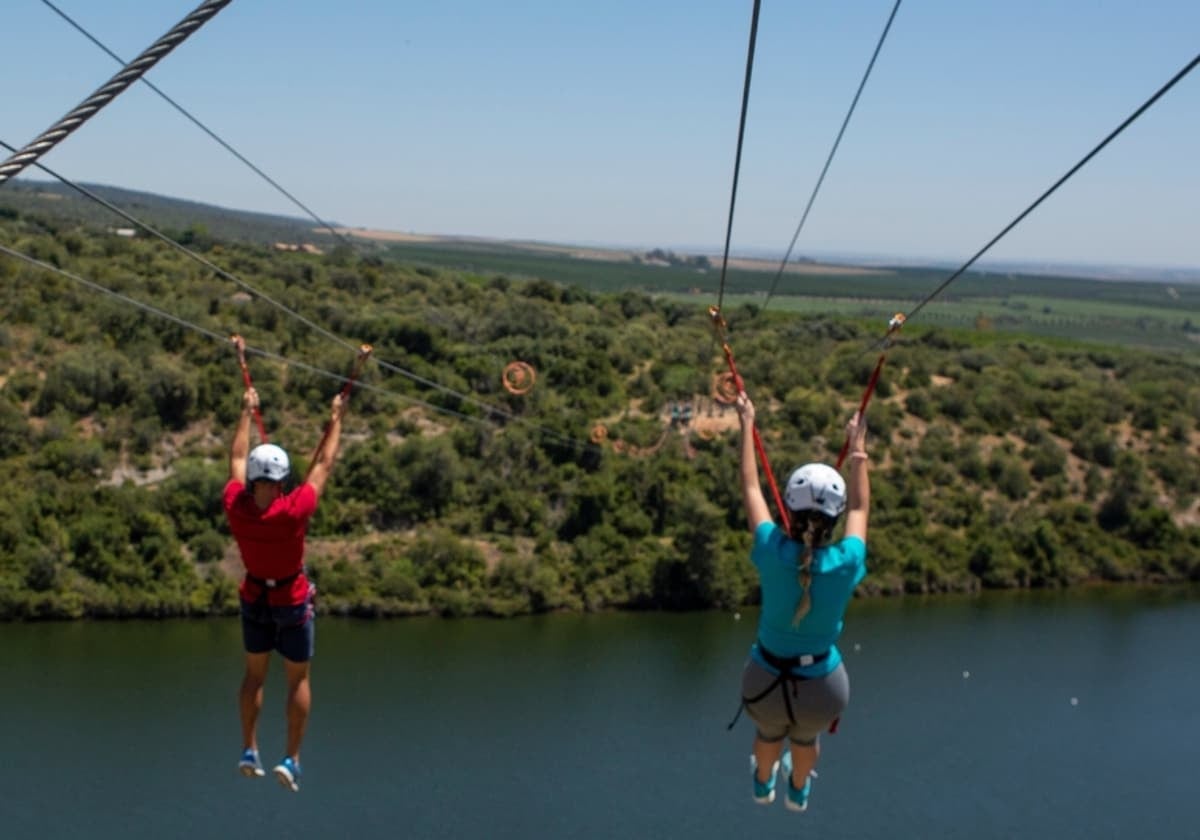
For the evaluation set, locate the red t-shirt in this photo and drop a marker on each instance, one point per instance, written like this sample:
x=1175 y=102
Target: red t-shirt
x=271 y=540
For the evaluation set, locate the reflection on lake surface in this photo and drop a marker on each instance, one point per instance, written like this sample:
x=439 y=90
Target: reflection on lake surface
x=1047 y=715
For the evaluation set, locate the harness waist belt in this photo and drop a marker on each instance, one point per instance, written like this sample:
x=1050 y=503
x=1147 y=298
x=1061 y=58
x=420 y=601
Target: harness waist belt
x=273 y=583
x=784 y=664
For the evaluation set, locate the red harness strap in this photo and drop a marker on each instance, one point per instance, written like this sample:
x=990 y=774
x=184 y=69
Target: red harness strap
x=363 y=352
x=896 y=322
x=719 y=326
x=893 y=325
x=240 y=344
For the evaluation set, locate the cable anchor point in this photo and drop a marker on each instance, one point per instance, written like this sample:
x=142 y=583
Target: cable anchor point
x=718 y=320
x=894 y=325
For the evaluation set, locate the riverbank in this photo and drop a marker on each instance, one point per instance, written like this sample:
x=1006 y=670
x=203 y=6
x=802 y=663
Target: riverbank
x=202 y=604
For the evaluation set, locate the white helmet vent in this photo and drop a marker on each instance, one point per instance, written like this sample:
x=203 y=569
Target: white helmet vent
x=267 y=462
x=816 y=487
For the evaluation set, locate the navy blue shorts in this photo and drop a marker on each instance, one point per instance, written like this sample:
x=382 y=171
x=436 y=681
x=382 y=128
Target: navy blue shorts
x=289 y=630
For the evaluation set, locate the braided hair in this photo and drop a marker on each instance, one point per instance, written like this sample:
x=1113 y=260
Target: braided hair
x=812 y=529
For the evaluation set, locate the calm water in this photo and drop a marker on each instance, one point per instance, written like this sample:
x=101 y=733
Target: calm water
x=1060 y=716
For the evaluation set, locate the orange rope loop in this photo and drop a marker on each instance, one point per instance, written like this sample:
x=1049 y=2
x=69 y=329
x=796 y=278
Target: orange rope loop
x=724 y=388
x=518 y=378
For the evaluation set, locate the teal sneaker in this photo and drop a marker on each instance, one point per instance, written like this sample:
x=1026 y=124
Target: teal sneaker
x=796 y=799
x=287 y=773
x=250 y=766
x=764 y=792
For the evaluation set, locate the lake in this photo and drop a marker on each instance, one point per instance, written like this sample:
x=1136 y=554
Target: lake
x=1014 y=715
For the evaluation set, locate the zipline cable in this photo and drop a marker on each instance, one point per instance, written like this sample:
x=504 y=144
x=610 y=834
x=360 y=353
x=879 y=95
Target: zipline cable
x=196 y=121
x=212 y=134
x=899 y=319
x=833 y=151
x=84 y=191
x=291 y=313
x=1112 y=135
x=718 y=321
x=266 y=354
x=737 y=160
x=109 y=90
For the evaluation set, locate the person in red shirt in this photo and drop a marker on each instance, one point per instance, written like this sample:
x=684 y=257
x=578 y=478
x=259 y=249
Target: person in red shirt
x=276 y=597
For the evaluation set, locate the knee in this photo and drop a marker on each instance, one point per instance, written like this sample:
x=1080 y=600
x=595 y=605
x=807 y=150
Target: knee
x=252 y=681
x=297 y=677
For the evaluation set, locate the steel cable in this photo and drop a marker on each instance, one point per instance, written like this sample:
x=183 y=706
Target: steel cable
x=833 y=151
x=196 y=121
x=466 y=398
x=109 y=91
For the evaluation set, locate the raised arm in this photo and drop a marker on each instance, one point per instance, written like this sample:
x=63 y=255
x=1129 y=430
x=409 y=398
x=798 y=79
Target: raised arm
x=858 y=502
x=757 y=511
x=327 y=449
x=240 y=448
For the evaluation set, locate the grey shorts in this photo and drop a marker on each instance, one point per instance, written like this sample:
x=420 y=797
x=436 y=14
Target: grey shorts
x=814 y=703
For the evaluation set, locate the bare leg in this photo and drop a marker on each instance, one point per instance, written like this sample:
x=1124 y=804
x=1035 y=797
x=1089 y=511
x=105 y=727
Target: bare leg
x=766 y=753
x=804 y=759
x=299 y=702
x=250 y=697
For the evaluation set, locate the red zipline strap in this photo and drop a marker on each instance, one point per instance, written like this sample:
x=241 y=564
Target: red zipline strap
x=240 y=344
x=364 y=351
x=862 y=406
x=719 y=326
x=894 y=325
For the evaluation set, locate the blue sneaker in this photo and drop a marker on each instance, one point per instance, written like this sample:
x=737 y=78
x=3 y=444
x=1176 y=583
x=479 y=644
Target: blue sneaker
x=797 y=798
x=287 y=773
x=764 y=792
x=250 y=766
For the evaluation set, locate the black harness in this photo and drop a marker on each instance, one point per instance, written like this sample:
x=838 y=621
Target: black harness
x=786 y=676
x=265 y=585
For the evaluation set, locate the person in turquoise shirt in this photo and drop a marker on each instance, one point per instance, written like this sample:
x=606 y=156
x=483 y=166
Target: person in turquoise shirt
x=794 y=684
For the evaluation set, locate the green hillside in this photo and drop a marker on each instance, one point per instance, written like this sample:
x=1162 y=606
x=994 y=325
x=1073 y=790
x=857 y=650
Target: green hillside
x=172 y=216
x=1002 y=458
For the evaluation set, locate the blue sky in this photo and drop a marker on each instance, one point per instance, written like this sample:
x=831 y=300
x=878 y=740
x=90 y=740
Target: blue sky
x=615 y=122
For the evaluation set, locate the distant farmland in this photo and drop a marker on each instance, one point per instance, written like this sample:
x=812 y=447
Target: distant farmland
x=1128 y=312
x=1144 y=314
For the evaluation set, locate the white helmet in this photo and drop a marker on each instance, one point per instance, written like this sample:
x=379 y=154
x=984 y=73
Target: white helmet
x=816 y=487
x=267 y=462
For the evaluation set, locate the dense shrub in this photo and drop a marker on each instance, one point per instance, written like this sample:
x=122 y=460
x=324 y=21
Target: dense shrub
x=997 y=461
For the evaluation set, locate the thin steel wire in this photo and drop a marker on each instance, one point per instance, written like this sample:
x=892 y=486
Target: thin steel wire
x=196 y=121
x=833 y=151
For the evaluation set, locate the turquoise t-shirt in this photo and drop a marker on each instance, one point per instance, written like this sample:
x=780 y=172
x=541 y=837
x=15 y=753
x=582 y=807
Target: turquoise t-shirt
x=836 y=570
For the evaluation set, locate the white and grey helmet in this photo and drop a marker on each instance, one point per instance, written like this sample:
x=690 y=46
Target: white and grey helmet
x=816 y=487
x=267 y=462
